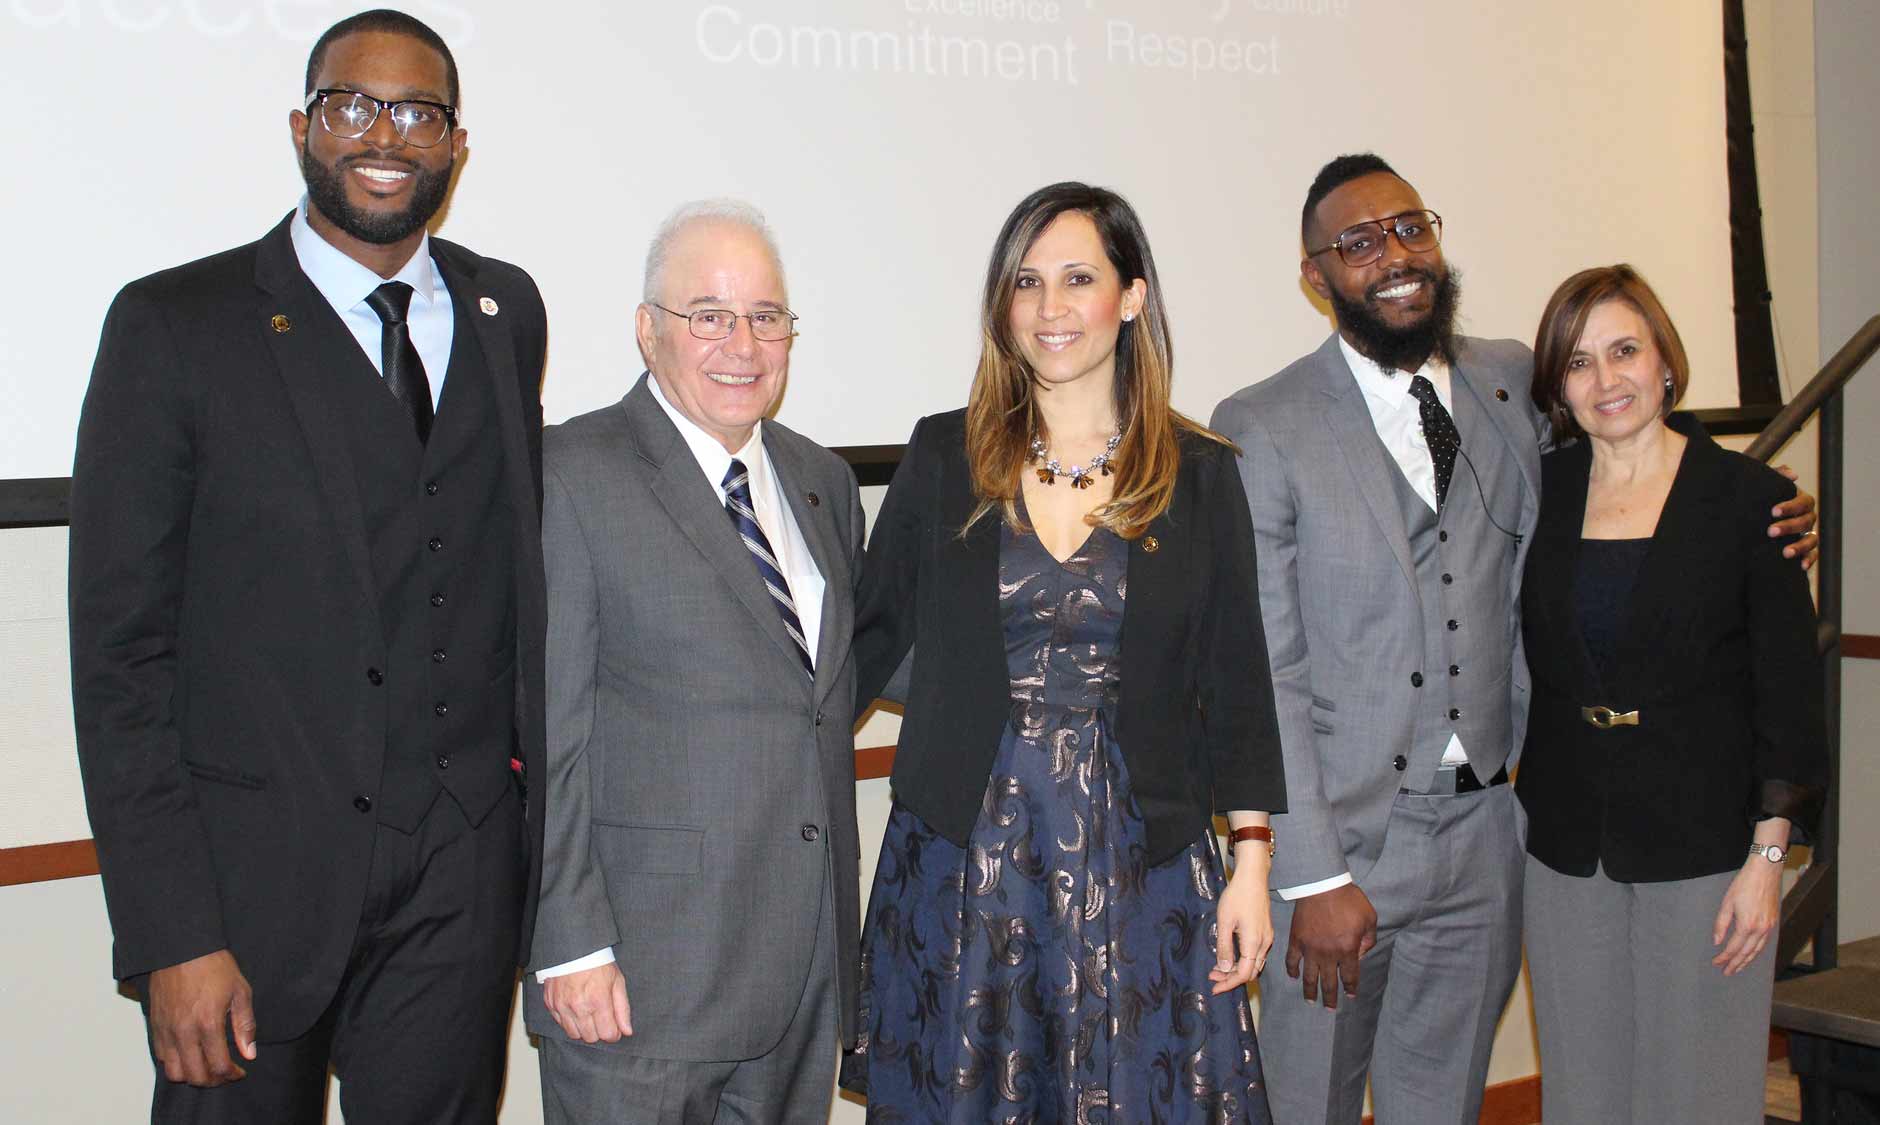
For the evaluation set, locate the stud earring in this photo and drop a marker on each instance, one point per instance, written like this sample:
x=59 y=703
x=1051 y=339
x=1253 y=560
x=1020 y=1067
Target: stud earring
x=1668 y=384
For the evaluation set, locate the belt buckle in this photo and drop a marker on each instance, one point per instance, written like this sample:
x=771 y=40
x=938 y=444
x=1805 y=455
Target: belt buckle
x=1605 y=718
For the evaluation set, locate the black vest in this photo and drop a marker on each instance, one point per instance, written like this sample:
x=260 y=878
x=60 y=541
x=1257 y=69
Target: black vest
x=442 y=535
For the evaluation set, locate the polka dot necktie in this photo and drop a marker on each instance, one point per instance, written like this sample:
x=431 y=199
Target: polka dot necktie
x=1439 y=433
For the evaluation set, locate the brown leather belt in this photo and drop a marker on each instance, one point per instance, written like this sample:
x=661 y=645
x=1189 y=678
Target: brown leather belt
x=1605 y=718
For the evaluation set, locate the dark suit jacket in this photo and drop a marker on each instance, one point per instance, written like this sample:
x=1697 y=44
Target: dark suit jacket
x=223 y=612
x=1195 y=719
x=1716 y=653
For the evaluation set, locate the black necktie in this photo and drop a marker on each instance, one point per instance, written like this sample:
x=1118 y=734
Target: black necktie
x=1439 y=433
x=404 y=370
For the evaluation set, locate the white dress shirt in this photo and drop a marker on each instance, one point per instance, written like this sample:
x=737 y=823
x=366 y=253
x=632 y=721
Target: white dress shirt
x=1398 y=418
x=346 y=284
x=786 y=539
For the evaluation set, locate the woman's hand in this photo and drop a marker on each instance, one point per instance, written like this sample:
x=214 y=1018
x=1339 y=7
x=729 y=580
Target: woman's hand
x=1243 y=920
x=1751 y=911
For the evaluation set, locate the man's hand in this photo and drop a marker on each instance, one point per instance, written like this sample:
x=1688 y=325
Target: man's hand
x=1330 y=932
x=194 y=1008
x=1797 y=517
x=590 y=1005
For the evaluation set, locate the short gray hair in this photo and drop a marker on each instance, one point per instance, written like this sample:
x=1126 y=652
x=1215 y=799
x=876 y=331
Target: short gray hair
x=723 y=210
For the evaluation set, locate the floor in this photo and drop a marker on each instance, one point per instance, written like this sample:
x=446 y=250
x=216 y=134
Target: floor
x=1782 y=1100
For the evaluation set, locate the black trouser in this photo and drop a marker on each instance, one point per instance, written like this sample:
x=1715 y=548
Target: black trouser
x=418 y=1031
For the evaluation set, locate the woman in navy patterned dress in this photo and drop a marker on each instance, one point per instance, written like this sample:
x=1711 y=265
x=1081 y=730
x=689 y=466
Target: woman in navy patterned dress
x=1051 y=935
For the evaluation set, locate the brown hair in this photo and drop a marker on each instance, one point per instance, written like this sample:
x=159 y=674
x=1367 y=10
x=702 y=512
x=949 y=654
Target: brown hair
x=1002 y=411
x=1564 y=321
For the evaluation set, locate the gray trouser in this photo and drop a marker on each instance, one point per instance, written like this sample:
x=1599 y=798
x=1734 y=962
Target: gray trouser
x=1448 y=896
x=791 y=1084
x=1636 y=1025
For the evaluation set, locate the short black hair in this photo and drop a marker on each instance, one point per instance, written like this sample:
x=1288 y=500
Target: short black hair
x=1336 y=174
x=389 y=22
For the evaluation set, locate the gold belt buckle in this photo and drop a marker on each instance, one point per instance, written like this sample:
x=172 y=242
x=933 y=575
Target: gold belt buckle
x=1605 y=718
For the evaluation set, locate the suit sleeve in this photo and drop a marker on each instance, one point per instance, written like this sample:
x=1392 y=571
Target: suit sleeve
x=1236 y=689
x=575 y=918
x=885 y=609
x=1307 y=836
x=133 y=487
x=1786 y=710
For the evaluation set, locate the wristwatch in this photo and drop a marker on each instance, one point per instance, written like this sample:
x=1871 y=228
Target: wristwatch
x=1774 y=853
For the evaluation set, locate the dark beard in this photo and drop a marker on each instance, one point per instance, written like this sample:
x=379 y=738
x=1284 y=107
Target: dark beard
x=1404 y=349
x=326 y=190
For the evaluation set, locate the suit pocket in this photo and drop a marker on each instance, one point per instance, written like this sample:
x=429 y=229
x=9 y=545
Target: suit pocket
x=650 y=849
x=225 y=775
x=1321 y=712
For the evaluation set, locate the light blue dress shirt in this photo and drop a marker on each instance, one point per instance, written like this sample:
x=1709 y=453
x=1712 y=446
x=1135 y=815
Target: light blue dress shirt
x=346 y=284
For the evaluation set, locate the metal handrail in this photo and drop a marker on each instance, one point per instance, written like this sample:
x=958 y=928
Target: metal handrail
x=1811 y=908
x=1834 y=374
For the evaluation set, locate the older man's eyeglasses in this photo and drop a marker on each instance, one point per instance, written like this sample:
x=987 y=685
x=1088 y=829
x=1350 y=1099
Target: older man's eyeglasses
x=719 y=324
x=349 y=115
x=1417 y=231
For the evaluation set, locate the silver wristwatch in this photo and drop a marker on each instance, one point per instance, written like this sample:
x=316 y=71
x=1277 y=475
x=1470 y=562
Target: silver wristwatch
x=1774 y=853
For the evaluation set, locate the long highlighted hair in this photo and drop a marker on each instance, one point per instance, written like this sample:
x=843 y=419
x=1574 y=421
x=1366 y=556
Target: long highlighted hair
x=1002 y=413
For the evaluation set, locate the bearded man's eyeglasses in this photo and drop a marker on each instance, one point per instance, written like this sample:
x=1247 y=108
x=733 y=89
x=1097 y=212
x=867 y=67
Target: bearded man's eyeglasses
x=1417 y=231
x=349 y=115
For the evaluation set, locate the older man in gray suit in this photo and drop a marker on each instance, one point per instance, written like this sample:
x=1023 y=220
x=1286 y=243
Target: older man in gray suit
x=695 y=949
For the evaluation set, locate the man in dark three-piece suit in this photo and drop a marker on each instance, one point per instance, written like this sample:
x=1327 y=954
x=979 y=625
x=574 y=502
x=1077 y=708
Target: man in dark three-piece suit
x=306 y=614
x=694 y=956
x=1394 y=480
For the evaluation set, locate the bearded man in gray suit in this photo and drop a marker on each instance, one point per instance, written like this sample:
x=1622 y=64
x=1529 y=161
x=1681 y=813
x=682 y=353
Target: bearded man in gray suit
x=695 y=949
x=1394 y=478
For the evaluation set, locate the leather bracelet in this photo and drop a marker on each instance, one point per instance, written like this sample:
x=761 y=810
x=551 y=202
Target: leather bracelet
x=1254 y=832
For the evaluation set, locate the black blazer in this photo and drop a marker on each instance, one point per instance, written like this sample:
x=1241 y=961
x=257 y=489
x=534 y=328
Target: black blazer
x=1195 y=718
x=1716 y=653
x=222 y=611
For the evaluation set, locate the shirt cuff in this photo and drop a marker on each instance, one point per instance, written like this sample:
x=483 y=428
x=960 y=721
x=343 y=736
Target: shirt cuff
x=593 y=960
x=1318 y=888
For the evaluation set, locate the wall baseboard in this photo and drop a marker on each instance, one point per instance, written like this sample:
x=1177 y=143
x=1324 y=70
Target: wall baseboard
x=1516 y=1102
x=1860 y=646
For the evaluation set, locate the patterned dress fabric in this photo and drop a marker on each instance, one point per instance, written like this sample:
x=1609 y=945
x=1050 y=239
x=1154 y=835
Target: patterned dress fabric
x=1045 y=973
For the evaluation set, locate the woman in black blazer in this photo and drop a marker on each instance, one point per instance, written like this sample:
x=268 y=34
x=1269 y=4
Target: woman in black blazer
x=1050 y=933
x=1675 y=742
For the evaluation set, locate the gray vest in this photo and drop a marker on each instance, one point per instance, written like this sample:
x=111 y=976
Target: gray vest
x=1465 y=575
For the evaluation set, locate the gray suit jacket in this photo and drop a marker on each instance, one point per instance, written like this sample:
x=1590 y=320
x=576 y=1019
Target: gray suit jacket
x=1333 y=555
x=700 y=794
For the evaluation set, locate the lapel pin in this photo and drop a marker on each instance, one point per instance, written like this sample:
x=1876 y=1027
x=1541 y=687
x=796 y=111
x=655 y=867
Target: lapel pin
x=814 y=500
x=1501 y=394
x=488 y=305
x=281 y=323
x=1150 y=545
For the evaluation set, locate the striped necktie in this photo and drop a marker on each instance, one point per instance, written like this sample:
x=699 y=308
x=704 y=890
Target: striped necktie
x=737 y=485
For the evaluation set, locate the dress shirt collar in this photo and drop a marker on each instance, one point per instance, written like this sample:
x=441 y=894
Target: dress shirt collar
x=1390 y=388
x=712 y=459
x=345 y=283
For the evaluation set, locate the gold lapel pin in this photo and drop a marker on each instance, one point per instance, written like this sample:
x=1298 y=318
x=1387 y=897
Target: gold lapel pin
x=814 y=500
x=1150 y=545
x=281 y=323
x=1501 y=394
x=488 y=305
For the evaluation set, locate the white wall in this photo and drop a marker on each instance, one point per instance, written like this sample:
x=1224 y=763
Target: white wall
x=1847 y=88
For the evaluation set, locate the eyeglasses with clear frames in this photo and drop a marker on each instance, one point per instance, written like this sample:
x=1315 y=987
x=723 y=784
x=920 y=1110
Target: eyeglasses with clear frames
x=350 y=114
x=769 y=325
x=1360 y=245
